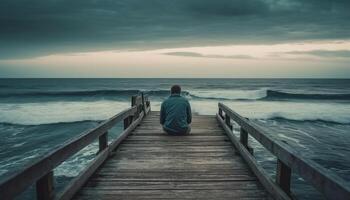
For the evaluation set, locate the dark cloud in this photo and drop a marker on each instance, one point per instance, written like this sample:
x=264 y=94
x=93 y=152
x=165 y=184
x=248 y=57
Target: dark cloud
x=323 y=53
x=198 y=55
x=40 y=27
x=186 y=54
x=228 y=8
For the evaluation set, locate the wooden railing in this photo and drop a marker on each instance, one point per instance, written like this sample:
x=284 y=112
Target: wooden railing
x=288 y=161
x=41 y=172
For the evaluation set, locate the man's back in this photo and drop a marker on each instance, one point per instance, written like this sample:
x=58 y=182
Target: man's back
x=175 y=114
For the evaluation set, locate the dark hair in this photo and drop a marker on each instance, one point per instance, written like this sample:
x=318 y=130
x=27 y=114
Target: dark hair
x=175 y=89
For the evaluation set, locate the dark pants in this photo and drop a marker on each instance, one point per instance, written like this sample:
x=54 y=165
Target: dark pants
x=186 y=132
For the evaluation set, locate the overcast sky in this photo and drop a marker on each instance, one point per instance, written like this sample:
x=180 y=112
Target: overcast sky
x=175 y=38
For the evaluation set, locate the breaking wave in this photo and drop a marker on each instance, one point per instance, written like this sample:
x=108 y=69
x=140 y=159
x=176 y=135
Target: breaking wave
x=91 y=95
x=276 y=95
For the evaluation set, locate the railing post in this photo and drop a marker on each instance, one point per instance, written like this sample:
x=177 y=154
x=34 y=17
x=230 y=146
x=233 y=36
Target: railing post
x=244 y=137
x=134 y=103
x=283 y=176
x=220 y=113
x=143 y=103
x=45 y=187
x=228 y=121
x=244 y=140
x=148 y=103
x=127 y=122
x=133 y=100
x=103 y=141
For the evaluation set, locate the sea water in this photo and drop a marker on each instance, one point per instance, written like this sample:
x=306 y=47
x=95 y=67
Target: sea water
x=312 y=116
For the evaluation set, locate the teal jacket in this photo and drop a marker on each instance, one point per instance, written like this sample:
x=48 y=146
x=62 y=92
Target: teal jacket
x=175 y=114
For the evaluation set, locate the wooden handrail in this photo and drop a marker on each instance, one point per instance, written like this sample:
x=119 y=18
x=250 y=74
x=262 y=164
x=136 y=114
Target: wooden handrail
x=41 y=171
x=288 y=160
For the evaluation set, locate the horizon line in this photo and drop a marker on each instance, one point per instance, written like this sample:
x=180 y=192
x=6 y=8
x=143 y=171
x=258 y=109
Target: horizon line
x=339 y=78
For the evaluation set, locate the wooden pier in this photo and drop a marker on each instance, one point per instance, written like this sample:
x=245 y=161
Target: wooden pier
x=152 y=165
x=145 y=163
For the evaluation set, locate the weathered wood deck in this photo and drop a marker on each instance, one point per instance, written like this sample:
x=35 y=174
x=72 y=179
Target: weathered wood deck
x=152 y=165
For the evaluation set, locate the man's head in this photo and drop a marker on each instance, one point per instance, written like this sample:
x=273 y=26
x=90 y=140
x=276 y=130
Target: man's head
x=175 y=89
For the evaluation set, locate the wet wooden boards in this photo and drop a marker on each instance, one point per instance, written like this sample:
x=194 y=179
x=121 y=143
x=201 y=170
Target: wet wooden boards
x=152 y=165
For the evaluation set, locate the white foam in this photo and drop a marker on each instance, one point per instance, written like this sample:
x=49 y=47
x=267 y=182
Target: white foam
x=334 y=112
x=54 y=112
x=230 y=94
x=73 y=166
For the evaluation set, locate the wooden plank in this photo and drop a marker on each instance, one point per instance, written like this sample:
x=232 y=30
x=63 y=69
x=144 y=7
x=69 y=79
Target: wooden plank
x=157 y=197
x=206 y=154
x=209 y=149
x=179 y=142
x=179 y=171
x=165 y=162
x=195 y=123
x=175 y=148
x=194 y=132
x=179 y=151
x=171 y=185
x=159 y=166
x=199 y=124
x=192 y=138
x=228 y=175
x=172 y=178
x=178 y=145
x=235 y=158
x=179 y=194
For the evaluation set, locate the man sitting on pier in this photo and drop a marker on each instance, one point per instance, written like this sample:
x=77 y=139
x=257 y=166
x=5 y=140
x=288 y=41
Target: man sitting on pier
x=175 y=113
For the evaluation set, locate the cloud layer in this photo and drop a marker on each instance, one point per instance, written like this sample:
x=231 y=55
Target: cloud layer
x=198 y=55
x=323 y=53
x=41 y=27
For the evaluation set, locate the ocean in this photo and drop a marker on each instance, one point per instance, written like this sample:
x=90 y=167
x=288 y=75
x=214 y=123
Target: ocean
x=310 y=115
